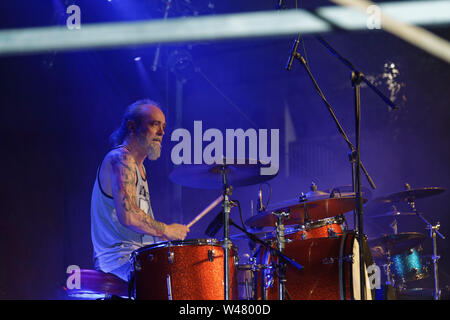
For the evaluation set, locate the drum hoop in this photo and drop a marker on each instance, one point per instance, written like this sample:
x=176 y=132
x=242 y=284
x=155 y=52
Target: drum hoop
x=308 y=226
x=368 y=260
x=324 y=222
x=179 y=243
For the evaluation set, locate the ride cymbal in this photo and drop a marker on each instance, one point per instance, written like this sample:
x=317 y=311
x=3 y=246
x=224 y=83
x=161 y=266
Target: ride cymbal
x=410 y=195
x=203 y=176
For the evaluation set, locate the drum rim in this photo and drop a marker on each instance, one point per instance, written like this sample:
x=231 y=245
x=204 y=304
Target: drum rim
x=179 y=243
x=308 y=226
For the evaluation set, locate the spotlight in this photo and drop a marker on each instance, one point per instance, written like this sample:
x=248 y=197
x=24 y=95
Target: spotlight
x=137 y=59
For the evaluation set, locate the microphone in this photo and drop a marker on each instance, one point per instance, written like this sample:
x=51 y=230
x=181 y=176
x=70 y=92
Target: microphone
x=293 y=53
x=215 y=225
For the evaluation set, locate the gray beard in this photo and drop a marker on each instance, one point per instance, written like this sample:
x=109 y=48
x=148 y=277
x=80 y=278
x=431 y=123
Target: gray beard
x=154 y=152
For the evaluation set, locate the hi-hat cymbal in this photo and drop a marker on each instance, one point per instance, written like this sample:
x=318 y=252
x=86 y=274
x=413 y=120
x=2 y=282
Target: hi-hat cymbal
x=203 y=176
x=395 y=243
x=301 y=211
x=410 y=195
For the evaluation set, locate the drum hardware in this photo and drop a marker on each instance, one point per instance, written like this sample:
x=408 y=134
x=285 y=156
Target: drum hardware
x=281 y=244
x=137 y=265
x=170 y=257
x=283 y=259
x=169 y=288
x=211 y=255
x=332 y=233
x=433 y=233
x=329 y=260
x=226 y=232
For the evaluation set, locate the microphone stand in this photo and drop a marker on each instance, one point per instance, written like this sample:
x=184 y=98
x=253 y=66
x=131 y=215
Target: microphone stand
x=354 y=155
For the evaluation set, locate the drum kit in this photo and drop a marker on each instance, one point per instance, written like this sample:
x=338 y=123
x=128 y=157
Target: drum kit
x=302 y=248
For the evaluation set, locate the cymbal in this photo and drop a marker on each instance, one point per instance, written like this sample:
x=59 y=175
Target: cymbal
x=395 y=243
x=301 y=211
x=259 y=234
x=393 y=214
x=347 y=190
x=203 y=176
x=410 y=195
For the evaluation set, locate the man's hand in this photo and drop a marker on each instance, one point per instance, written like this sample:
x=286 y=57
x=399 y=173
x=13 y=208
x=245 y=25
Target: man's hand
x=175 y=231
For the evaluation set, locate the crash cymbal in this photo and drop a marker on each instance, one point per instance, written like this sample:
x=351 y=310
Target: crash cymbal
x=395 y=243
x=203 y=176
x=410 y=195
x=301 y=211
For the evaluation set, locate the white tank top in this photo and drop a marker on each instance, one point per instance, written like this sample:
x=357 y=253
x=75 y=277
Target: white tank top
x=113 y=243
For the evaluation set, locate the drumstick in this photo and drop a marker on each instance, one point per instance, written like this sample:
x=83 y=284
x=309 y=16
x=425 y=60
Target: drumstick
x=206 y=210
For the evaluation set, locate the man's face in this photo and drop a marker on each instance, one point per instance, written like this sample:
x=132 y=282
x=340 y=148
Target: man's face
x=152 y=131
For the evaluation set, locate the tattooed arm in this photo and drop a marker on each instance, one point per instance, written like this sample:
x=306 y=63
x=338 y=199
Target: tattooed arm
x=123 y=188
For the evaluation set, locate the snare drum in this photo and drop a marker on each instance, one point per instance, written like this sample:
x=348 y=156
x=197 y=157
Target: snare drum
x=330 y=270
x=183 y=270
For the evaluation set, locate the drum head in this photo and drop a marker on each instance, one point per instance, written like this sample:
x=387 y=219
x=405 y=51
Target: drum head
x=356 y=279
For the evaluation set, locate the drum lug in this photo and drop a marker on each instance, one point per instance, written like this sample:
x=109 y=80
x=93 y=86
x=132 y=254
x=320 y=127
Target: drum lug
x=331 y=260
x=332 y=233
x=137 y=266
x=236 y=260
x=348 y=258
x=268 y=279
x=171 y=257
x=211 y=255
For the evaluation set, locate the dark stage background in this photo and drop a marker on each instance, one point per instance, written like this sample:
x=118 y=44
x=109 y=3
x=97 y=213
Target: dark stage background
x=58 y=110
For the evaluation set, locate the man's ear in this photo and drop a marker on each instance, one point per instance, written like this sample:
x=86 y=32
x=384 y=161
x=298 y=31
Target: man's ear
x=131 y=126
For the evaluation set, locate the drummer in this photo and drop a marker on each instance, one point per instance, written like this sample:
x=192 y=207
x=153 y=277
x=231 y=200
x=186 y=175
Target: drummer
x=121 y=214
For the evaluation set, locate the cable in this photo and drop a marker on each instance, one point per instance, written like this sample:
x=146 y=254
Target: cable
x=240 y=213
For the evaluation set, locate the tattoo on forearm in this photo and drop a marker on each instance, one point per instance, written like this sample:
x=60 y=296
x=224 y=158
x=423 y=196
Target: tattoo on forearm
x=122 y=164
x=153 y=224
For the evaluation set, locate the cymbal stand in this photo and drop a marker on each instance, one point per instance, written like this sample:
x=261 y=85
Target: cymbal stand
x=226 y=232
x=275 y=252
x=387 y=269
x=280 y=245
x=434 y=230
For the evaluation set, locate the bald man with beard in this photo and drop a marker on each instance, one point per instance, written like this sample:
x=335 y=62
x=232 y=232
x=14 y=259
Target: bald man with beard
x=121 y=215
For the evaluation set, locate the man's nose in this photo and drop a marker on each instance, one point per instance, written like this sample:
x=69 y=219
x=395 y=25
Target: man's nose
x=161 y=131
